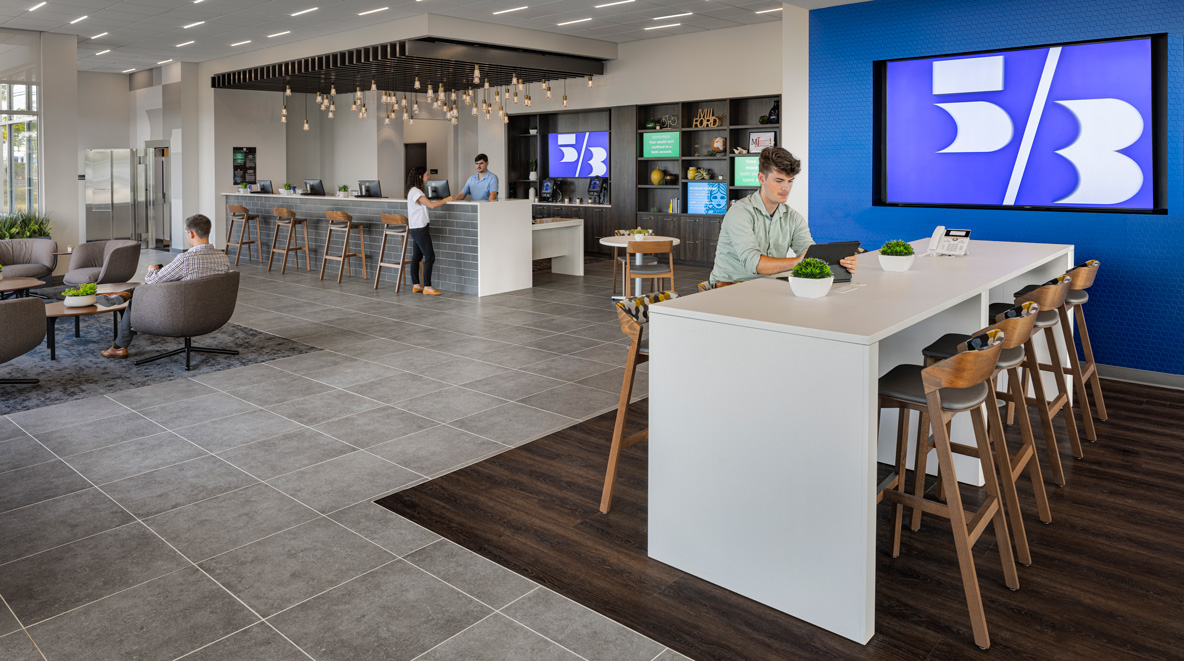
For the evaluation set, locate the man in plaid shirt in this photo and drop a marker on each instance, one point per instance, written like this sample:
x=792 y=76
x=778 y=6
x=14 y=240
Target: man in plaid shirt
x=200 y=261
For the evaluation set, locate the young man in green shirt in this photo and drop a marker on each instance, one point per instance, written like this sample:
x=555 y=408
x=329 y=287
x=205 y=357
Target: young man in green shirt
x=760 y=234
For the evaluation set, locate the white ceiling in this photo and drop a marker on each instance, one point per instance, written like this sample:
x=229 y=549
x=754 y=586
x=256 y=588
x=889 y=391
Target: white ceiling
x=141 y=33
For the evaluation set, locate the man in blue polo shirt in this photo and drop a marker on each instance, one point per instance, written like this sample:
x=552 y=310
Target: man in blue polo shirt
x=483 y=185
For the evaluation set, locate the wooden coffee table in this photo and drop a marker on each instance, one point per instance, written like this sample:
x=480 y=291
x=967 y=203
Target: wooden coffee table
x=19 y=285
x=55 y=311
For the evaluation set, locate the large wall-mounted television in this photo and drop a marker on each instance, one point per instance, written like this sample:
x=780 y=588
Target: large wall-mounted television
x=1080 y=126
x=577 y=154
x=660 y=144
x=707 y=197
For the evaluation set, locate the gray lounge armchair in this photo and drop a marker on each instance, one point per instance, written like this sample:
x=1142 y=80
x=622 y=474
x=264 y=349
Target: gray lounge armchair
x=185 y=308
x=28 y=258
x=22 y=328
x=103 y=262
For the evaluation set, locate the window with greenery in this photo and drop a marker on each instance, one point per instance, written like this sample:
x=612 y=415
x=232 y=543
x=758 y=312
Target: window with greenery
x=19 y=148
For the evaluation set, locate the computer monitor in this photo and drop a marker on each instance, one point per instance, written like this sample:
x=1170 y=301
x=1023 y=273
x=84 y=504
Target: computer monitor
x=369 y=188
x=265 y=187
x=594 y=185
x=438 y=189
x=313 y=187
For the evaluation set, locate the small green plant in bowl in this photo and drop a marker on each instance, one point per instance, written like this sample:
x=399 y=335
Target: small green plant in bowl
x=896 y=256
x=243 y=186
x=81 y=296
x=811 y=278
x=812 y=269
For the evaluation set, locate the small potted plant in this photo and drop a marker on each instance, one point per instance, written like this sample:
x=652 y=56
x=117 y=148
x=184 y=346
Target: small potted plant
x=534 y=130
x=811 y=278
x=534 y=170
x=343 y=190
x=81 y=296
x=896 y=256
x=242 y=188
x=640 y=234
x=288 y=189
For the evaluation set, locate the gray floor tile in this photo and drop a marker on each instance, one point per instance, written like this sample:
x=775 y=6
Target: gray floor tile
x=9 y=429
x=162 y=619
x=258 y=643
x=278 y=392
x=514 y=385
x=436 y=450
x=66 y=414
x=21 y=452
x=470 y=346
x=171 y=487
x=512 y=424
x=374 y=348
x=461 y=371
x=311 y=362
x=415 y=359
x=99 y=433
x=613 y=353
x=34 y=484
x=671 y=655
x=352 y=374
x=228 y=521
x=568 y=368
x=375 y=426
x=18 y=647
x=574 y=401
x=393 y=613
x=324 y=406
x=497 y=638
x=450 y=404
x=517 y=334
x=53 y=582
x=336 y=339
x=55 y=522
x=581 y=630
x=201 y=409
x=563 y=343
x=602 y=332
x=516 y=357
x=484 y=580
x=427 y=337
x=399 y=331
x=558 y=324
x=233 y=431
x=610 y=381
x=241 y=376
x=385 y=528
x=8 y=624
x=168 y=392
x=601 y=316
x=344 y=481
x=517 y=317
x=285 y=453
x=302 y=329
x=139 y=456
x=282 y=570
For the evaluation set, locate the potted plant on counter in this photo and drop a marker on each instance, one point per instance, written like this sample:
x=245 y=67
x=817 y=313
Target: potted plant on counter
x=288 y=189
x=243 y=188
x=534 y=170
x=896 y=256
x=811 y=278
x=343 y=190
x=534 y=130
x=81 y=296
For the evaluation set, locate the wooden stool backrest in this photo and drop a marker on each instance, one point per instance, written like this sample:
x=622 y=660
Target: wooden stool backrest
x=281 y=212
x=338 y=216
x=966 y=369
x=1083 y=274
x=393 y=219
x=237 y=209
x=1017 y=324
x=1051 y=296
x=649 y=247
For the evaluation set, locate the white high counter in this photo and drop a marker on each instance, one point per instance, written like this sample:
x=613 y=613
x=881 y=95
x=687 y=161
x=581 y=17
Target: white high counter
x=763 y=421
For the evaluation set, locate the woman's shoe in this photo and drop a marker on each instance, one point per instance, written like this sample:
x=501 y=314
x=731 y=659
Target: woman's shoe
x=416 y=289
x=431 y=291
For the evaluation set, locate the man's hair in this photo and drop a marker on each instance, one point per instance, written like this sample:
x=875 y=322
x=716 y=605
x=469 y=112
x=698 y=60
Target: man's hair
x=481 y=157
x=199 y=225
x=415 y=178
x=779 y=159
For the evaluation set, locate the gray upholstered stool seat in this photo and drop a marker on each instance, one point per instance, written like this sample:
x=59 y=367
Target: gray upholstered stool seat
x=1077 y=297
x=948 y=345
x=650 y=268
x=904 y=382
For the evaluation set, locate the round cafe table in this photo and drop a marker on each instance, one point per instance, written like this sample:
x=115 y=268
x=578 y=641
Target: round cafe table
x=19 y=285
x=623 y=241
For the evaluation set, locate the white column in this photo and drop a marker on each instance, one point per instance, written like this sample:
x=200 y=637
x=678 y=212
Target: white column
x=58 y=133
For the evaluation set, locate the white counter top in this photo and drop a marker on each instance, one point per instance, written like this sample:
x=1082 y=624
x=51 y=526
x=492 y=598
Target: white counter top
x=571 y=204
x=334 y=197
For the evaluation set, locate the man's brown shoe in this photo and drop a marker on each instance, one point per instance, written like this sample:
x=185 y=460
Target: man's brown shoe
x=115 y=352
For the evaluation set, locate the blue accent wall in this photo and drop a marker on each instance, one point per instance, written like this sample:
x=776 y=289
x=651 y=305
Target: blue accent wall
x=1136 y=308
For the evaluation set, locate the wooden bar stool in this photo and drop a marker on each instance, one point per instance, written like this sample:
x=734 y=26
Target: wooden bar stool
x=393 y=225
x=342 y=223
x=287 y=218
x=958 y=384
x=619 y=262
x=656 y=271
x=1017 y=325
x=634 y=314
x=240 y=213
x=1082 y=277
x=1050 y=296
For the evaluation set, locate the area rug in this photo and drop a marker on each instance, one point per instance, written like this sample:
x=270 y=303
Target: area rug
x=80 y=371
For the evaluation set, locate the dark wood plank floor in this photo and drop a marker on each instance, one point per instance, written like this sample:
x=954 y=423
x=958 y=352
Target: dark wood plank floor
x=1106 y=582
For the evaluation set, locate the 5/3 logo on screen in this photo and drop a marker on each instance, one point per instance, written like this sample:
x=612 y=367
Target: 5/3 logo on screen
x=1106 y=125
x=578 y=154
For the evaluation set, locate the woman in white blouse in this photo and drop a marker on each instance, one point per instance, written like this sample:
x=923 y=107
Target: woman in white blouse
x=421 y=238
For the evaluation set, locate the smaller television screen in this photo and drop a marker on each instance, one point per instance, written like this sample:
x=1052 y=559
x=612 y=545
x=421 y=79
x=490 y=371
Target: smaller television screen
x=438 y=189
x=745 y=169
x=664 y=144
x=707 y=197
x=547 y=185
x=578 y=154
x=594 y=185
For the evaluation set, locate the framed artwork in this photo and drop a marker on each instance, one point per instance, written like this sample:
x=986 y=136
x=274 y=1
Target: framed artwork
x=758 y=140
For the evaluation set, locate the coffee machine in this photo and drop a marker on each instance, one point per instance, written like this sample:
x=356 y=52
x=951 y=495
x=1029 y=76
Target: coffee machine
x=598 y=190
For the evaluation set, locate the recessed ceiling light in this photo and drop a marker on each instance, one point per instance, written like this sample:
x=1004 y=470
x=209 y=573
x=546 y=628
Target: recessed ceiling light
x=613 y=4
x=240 y=43
x=104 y=34
x=184 y=44
x=507 y=11
x=769 y=11
x=103 y=52
x=373 y=11
x=669 y=25
x=279 y=34
x=575 y=21
x=165 y=61
x=662 y=18
x=305 y=11
x=191 y=25
x=128 y=70
x=39 y=6
x=80 y=18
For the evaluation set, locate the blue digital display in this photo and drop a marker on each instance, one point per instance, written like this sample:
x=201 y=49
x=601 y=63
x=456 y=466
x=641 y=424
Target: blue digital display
x=577 y=154
x=1061 y=127
x=707 y=197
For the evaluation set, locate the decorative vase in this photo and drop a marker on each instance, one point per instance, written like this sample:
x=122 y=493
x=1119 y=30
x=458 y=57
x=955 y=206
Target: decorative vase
x=1 y=276
x=775 y=112
x=691 y=172
x=657 y=176
x=534 y=131
x=534 y=176
x=671 y=179
x=810 y=287
x=80 y=301
x=532 y=194
x=896 y=263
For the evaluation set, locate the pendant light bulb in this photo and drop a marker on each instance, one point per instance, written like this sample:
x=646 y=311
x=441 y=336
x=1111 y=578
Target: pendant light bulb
x=287 y=90
x=404 y=102
x=330 y=114
x=353 y=107
x=474 y=111
x=514 y=79
x=417 y=82
x=520 y=86
x=332 y=90
x=306 y=125
x=589 y=81
x=387 y=120
x=332 y=106
x=564 y=100
x=374 y=86
x=507 y=121
x=515 y=98
x=548 y=92
x=319 y=97
x=486 y=83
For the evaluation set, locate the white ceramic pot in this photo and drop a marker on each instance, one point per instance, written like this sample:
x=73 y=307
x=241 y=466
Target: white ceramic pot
x=810 y=287
x=342 y=194
x=80 y=301
x=1 y=276
x=286 y=191
x=534 y=176
x=534 y=131
x=896 y=263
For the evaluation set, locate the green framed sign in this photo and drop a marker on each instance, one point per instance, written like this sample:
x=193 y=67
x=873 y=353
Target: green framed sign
x=745 y=171
x=664 y=144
